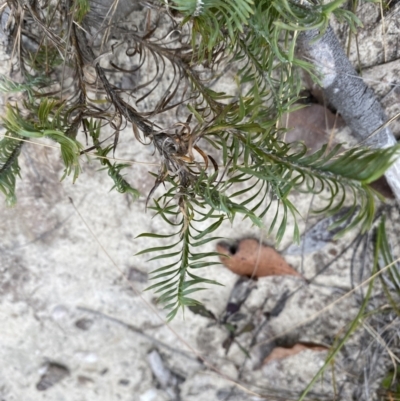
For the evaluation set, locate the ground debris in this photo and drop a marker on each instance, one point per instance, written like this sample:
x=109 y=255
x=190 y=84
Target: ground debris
x=249 y=257
x=53 y=373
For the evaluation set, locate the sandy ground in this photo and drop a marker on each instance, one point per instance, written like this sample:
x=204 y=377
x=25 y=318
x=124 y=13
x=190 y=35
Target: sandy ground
x=66 y=301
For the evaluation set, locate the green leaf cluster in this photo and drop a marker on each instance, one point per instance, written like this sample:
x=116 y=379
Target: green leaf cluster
x=10 y=148
x=176 y=280
x=114 y=169
x=46 y=122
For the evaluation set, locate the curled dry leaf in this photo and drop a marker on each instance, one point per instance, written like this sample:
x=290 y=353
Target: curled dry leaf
x=250 y=258
x=284 y=352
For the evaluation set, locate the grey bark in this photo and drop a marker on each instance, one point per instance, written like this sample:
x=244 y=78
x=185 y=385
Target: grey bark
x=350 y=96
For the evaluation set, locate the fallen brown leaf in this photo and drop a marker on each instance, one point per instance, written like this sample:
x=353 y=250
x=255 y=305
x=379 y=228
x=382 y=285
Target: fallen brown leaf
x=312 y=125
x=283 y=352
x=250 y=258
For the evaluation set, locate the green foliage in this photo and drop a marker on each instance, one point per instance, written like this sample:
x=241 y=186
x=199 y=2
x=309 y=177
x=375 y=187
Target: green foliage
x=391 y=383
x=259 y=173
x=8 y=86
x=391 y=279
x=10 y=148
x=114 y=169
x=46 y=122
x=212 y=15
x=177 y=280
x=81 y=8
x=386 y=269
x=47 y=57
x=378 y=252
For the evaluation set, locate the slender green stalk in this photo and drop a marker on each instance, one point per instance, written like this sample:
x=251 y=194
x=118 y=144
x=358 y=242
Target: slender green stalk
x=357 y=320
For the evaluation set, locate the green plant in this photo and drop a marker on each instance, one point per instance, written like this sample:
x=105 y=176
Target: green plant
x=258 y=39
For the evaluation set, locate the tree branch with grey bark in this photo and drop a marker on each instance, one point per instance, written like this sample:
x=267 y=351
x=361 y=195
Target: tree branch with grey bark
x=346 y=91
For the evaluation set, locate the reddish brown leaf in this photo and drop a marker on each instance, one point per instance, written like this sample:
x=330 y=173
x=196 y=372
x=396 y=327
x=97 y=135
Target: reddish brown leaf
x=283 y=352
x=250 y=258
x=312 y=125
